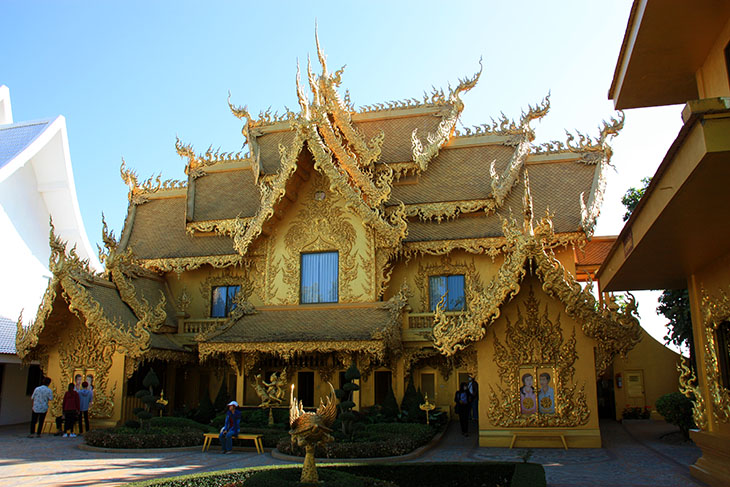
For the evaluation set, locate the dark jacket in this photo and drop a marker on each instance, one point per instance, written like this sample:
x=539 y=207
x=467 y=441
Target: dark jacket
x=71 y=401
x=474 y=389
x=458 y=403
x=232 y=421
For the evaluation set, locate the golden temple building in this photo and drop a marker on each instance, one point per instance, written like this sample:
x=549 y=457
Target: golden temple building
x=380 y=236
x=677 y=237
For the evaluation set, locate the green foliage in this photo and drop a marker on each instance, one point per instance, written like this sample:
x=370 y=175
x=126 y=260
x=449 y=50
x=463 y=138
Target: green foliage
x=440 y=474
x=636 y=412
x=132 y=424
x=221 y=399
x=205 y=412
x=390 y=405
x=674 y=305
x=327 y=478
x=370 y=441
x=409 y=406
x=181 y=423
x=148 y=398
x=632 y=197
x=151 y=381
x=347 y=418
x=677 y=410
x=151 y=437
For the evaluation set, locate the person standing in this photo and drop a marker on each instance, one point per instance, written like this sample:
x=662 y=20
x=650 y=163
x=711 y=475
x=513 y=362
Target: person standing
x=473 y=387
x=71 y=408
x=86 y=396
x=463 y=406
x=41 y=396
x=230 y=427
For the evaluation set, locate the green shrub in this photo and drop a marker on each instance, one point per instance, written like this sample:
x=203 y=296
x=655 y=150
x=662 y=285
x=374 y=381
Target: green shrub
x=221 y=399
x=677 y=410
x=205 y=412
x=152 y=437
x=327 y=478
x=347 y=417
x=272 y=436
x=470 y=474
x=181 y=423
x=409 y=406
x=372 y=440
x=390 y=405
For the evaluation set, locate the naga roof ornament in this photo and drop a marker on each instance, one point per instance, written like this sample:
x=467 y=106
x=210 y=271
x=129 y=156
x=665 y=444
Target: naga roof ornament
x=616 y=330
x=139 y=192
x=72 y=277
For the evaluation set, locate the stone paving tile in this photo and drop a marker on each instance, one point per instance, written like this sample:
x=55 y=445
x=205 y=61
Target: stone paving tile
x=632 y=456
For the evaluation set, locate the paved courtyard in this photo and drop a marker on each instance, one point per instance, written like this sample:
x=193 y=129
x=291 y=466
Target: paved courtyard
x=633 y=456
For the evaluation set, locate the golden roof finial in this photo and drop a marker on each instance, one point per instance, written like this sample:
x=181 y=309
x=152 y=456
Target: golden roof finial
x=527 y=208
x=320 y=53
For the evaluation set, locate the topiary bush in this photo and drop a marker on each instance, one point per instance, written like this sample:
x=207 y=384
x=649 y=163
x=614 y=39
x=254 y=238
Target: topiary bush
x=346 y=417
x=409 y=406
x=181 y=423
x=390 y=406
x=148 y=398
x=677 y=410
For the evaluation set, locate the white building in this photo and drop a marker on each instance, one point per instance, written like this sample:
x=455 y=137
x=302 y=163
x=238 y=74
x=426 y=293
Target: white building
x=36 y=184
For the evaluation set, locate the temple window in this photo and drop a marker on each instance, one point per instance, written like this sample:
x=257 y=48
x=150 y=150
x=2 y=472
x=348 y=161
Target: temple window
x=319 y=277
x=723 y=345
x=452 y=287
x=222 y=300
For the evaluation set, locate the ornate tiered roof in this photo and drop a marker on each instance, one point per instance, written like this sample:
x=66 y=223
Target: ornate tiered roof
x=402 y=166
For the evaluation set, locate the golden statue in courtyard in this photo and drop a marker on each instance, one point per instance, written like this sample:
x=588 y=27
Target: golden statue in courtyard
x=311 y=429
x=271 y=393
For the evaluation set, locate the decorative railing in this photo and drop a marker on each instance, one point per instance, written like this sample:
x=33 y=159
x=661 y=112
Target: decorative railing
x=195 y=326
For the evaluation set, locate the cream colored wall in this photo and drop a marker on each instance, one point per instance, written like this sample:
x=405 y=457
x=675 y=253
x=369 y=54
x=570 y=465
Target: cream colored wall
x=583 y=436
x=658 y=365
x=712 y=77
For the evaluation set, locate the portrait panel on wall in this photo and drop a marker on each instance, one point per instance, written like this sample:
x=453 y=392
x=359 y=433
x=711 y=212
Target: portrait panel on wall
x=528 y=394
x=545 y=391
x=78 y=378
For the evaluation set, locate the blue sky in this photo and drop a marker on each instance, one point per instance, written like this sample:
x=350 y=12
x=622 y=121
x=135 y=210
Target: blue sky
x=130 y=77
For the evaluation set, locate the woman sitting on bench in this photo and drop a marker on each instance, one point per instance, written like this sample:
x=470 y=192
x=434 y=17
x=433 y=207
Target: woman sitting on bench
x=230 y=427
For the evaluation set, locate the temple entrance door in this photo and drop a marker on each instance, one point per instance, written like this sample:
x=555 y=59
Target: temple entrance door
x=635 y=388
x=305 y=387
x=606 y=395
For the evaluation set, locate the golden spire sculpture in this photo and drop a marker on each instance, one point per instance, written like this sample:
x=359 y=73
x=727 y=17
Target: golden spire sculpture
x=428 y=407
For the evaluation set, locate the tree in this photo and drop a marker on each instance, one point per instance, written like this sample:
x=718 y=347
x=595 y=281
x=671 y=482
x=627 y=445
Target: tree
x=632 y=197
x=677 y=410
x=347 y=417
x=148 y=398
x=673 y=303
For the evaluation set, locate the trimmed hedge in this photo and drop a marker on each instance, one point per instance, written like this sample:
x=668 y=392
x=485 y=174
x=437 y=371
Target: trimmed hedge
x=327 y=478
x=371 y=441
x=134 y=438
x=161 y=432
x=470 y=474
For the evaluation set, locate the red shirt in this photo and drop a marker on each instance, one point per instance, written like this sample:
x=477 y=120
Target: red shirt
x=71 y=401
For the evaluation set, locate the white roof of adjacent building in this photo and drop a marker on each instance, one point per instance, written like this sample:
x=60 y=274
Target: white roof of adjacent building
x=7 y=335
x=36 y=185
x=16 y=137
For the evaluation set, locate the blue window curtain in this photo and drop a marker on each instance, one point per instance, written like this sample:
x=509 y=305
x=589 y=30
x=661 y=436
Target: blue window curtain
x=453 y=285
x=319 y=277
x=222 y=301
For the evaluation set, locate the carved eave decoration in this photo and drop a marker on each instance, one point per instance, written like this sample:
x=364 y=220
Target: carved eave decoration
x=616 y=331
x=71 y=276
x=140 y=193
x=121 y=268
x=179 y=265
x=384 y=344
x=715 y=310
x=195 y=167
